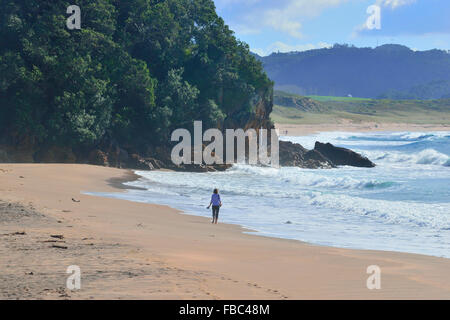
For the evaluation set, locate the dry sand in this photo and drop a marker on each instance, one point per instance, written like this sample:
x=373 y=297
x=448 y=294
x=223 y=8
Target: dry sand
x=130 y=250
x=349 y=126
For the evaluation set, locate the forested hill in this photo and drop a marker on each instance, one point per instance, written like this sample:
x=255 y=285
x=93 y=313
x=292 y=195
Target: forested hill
x=388 y=71
x=134 y=72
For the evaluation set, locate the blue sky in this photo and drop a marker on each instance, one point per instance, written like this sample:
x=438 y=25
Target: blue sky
x=297 y=25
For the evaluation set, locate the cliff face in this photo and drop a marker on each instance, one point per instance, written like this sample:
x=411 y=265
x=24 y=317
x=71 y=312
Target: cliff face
x=114 y=154
x=301 y=103
x=260 y=105
x=111 y=153
x=263 y=108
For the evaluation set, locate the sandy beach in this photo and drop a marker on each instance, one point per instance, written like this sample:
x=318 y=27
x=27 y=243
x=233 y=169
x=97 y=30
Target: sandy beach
x=128 y=250
x=349 y=126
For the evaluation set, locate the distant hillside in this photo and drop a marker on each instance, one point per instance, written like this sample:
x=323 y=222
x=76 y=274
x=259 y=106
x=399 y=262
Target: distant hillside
x=298 y=102
x=389 y=71
x=295 y=109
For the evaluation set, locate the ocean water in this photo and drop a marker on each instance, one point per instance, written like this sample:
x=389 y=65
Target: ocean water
x=401 y=205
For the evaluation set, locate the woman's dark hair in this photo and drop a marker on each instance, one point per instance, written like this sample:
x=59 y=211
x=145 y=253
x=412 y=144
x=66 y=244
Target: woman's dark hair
x=216 y=191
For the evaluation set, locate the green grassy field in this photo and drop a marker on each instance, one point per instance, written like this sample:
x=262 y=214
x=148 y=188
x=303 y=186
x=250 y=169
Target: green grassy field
x=331 y=98
x=358 y=110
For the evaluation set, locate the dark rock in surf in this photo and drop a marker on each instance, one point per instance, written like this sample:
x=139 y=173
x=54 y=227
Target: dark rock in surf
x=294 y=155
x=342 y=156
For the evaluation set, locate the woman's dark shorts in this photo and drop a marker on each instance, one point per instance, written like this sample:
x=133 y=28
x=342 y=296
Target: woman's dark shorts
x=215 y=212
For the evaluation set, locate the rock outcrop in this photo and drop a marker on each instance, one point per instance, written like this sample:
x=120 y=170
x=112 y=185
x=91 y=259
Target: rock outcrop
x=111 y=153
x=323 y=156
x=54 y=154
x=342 y=156
x=298 y=102
x=294 y=155
x=98 y=157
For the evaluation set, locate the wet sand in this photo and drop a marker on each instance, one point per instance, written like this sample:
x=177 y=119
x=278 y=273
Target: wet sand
x=128 y=250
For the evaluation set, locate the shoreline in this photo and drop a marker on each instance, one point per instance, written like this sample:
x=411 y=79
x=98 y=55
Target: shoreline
x=144 y=251
x=129 y=176
x=120 y=184
x=348 y=126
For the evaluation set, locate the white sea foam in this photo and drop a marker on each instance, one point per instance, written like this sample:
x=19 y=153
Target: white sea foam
x=427 y=156
x=403 y=204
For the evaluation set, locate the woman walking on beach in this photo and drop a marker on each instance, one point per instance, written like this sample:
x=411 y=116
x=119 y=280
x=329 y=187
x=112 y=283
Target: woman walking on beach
x=216 y=204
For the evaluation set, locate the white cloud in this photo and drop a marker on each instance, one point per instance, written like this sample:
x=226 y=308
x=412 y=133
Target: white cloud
x=284 y=47
x=226 y=3
x=284 y=16
x=357 y=30
x=394 y=4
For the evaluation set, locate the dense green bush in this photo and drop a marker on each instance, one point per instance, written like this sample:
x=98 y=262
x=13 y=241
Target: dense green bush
x=134 y=72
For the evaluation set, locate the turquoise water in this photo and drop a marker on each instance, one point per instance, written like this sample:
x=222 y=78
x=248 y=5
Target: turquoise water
x=401 y=205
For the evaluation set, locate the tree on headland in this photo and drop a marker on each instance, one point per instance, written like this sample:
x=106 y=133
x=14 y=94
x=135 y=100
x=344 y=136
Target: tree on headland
x=135 y=71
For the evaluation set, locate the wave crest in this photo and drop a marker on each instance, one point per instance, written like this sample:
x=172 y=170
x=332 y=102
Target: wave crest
x=426 y=157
